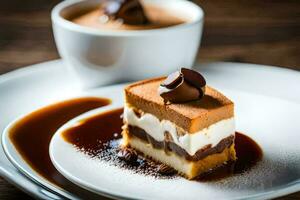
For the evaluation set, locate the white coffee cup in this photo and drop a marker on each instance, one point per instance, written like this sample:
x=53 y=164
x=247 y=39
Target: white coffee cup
x=100 y=57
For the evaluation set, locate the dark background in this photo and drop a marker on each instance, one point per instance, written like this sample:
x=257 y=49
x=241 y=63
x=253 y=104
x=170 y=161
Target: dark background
x=252 y=31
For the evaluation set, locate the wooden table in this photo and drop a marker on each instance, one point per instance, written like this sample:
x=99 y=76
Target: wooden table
x=263 y=32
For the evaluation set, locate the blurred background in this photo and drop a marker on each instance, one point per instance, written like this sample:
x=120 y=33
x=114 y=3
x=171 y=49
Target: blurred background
x=256 y=31
x=264 y=32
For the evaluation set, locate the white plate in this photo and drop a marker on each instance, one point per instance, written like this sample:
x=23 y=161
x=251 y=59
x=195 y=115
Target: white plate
x=270 y=121
x=25 y=90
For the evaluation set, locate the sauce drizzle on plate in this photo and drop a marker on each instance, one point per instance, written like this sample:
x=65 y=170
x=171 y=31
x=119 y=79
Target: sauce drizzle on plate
x=32 y=134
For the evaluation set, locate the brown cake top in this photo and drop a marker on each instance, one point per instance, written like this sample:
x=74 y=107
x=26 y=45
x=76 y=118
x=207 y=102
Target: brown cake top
x=191 y=116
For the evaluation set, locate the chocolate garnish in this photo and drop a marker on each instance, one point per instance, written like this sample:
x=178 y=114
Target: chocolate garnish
x=172 y=80
x=194 y=78
x=182 y=86
x=128 y=155
x=166 y=170
x=129 y=11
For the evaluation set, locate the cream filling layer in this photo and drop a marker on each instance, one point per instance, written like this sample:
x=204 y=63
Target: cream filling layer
x=190 y=142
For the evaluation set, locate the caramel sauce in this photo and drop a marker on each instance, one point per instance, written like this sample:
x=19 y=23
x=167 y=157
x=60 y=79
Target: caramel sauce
x=92 y=135
x=248 y=154
x=31 y=135
x=99 y=137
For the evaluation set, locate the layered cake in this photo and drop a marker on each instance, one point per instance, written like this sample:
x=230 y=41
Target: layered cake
x=181 y=122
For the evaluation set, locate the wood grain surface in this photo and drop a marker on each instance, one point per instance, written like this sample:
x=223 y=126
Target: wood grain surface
x=263 y=32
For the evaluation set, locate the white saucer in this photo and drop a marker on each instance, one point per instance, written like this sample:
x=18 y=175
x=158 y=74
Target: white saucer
x=24 y=90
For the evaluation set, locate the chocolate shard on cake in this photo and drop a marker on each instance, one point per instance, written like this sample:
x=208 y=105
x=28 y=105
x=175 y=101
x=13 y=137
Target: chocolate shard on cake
x=192 y=134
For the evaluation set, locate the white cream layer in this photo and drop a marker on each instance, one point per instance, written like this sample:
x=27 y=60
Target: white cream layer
x=191 y=143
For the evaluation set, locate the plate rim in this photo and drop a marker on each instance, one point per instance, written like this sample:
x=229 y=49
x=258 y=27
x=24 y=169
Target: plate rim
x=44 y=183
x=5 y=143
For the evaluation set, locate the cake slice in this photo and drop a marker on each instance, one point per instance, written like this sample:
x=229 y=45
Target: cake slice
x=191 y=137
